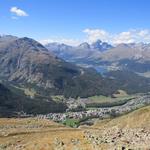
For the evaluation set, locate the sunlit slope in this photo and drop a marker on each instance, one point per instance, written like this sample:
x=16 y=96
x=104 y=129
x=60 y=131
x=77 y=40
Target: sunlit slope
x=136 y=119
x=37 y=134
x=131 y=131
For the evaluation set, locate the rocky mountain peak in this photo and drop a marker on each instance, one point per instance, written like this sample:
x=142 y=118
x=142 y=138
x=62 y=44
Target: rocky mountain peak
x=101 y=46
x=84 y=45
x=97 y=44
x=29 y=44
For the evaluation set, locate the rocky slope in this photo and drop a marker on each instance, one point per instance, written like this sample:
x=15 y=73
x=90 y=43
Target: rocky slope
x=131 y=131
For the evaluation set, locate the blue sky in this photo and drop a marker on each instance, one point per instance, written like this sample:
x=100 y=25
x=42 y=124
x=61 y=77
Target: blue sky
x=77 y=20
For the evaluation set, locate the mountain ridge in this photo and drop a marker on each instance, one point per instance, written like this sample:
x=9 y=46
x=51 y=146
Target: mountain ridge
x=121 y=56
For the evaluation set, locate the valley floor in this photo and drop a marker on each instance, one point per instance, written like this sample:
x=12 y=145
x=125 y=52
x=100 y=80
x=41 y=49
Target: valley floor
x=131 y=131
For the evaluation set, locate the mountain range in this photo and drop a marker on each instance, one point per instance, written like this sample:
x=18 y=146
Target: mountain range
x=31 y=75
x=132 y=57
x=25 y=62
x=81 y=53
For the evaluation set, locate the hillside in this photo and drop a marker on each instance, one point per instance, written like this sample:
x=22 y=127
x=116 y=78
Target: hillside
x=130 y=131
x=136 y=119
x=25 y=62
x=129 y=81
x=13 y=101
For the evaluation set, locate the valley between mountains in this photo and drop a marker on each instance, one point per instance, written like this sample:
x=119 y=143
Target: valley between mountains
x=89 y=97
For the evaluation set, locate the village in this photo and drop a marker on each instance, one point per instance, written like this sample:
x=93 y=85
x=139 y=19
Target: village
x=101 y=113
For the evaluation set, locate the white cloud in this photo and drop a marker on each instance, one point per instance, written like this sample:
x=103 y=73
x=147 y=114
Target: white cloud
x=144 y=32
x=73 y=42
x=91 y=35
x=134 y=35
x=123 y=37
x=18 y=12
x=94 y=34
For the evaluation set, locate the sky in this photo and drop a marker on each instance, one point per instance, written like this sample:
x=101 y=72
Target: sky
x=76 y=21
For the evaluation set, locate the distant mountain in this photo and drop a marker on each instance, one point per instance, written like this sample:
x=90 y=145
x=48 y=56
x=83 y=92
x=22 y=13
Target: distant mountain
x=84 y=45
x=132 y=57
x=83 y=53
x=138 y=52
x=101 y=46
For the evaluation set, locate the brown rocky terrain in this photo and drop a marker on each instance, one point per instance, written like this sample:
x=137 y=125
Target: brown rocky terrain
x=131 y=131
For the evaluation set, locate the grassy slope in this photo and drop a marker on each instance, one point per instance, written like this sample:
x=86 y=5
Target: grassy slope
x=131 y=131
x=14 y=100
x=107 y=101
x=136 y=119
x=39 y=134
